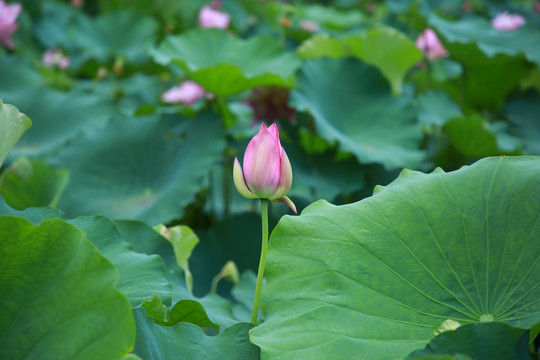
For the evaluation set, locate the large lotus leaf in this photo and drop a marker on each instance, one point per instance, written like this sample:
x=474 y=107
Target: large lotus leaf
x=140 y=276
x=13 y=124
x=59 y=297
x=33 y=183
x=150 y=172
x=120 y=33
x=386 y=48
x=57 y=117
x=480 y=341
x=353 y=105
x=494 y=62
x=225 y=65
x=187 y=341
x=524 y=116
x=377 y=277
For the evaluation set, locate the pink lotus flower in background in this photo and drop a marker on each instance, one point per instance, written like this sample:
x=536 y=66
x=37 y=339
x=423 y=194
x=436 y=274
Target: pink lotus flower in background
x=55 y=57
x=508 y=22
x=210 y=18
x=429 y=44
x=186 y=93
x=8 y=16
x=267 y=171
x=309 y=25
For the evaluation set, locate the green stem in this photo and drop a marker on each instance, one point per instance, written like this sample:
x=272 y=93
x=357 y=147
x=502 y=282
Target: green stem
x=215 y=281
x=262 y=261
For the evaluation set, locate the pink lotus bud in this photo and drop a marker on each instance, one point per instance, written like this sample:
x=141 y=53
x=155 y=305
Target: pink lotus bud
x=267 y=170
x=210 y=18
x=429 y=44
x=507 y=22
x=187 y=93
x=8 y=16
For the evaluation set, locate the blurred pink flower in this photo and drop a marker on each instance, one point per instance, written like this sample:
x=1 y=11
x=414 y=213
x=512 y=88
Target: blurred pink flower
x=186 y=93
x=309 y=25
x=507 y=22
x=536 y=6
x=8 y=16
x=55 y=57
x=210 y=18
x=429 y=44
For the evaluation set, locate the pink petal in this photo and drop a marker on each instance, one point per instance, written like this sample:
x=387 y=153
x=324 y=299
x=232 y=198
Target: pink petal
x=210 y=18
x=186 y=93
x=262 y=162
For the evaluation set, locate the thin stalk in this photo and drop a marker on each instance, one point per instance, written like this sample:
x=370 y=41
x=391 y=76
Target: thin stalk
x=262 y=261
x=215 y=281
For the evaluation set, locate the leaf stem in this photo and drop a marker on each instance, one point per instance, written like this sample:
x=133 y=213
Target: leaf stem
x=262 y=261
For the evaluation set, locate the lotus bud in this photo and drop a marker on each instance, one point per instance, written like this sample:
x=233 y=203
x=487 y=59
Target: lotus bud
x=8 y=25
x=429 y=44
x=230 y=272
x=267 y=171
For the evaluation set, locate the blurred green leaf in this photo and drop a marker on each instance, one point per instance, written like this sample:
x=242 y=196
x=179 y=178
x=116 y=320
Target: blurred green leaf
x=13 y=124
x=18 y=76
x=187 y=341
x=377 y=277
x=151 y=172
x=322 y=176
x=481 y=341
x=225 y=65
x=478 y=31
x=33 y=183
x=436 y=108
x=472 y=136
x=59 y=287
x=494 y=62
x=58 y=117
x=123 y=33
x=383 y=47
x=244 y=294
x=524 y=116
x=365 y=119
x=330 y=17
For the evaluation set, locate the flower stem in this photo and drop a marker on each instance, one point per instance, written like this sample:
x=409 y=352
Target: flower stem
x=262 y=261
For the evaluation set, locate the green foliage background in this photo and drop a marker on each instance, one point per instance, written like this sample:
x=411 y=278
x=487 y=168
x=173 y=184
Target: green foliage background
x=432 y=168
